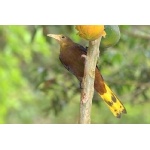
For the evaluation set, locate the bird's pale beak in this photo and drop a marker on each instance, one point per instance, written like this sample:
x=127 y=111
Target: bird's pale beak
x=55 y=36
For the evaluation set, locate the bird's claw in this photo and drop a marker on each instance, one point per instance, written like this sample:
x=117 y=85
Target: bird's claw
x=81 y=87
x=83 y=56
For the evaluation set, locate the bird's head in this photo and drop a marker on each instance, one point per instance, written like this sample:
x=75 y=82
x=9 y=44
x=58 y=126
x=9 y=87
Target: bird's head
x=62 y=39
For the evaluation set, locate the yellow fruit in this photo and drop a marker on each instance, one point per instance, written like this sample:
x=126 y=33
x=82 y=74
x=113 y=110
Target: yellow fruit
x=112 y=36
x=90 y=32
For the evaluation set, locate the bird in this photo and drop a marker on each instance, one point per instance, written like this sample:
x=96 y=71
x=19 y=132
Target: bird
x=72 y=56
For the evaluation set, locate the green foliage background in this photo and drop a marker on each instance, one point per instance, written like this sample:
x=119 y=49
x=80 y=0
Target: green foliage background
x=36 y=88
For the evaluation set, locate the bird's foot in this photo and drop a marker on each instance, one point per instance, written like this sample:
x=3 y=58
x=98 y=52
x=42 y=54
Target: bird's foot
x=83 y=56
x=81 y=86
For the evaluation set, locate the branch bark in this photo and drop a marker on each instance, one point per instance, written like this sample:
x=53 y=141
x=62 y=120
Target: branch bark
x=88 y=81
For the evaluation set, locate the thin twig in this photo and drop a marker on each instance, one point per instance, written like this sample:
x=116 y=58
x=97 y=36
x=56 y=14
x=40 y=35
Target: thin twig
x=88 y=81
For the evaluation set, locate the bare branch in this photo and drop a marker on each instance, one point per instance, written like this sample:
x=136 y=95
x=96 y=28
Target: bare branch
x=88 y=81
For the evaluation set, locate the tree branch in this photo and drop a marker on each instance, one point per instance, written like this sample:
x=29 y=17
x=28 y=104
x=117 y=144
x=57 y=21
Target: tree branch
x=88 y=81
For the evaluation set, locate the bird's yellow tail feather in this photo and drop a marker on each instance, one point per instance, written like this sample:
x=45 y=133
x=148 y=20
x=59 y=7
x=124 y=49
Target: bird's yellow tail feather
x=113 y=102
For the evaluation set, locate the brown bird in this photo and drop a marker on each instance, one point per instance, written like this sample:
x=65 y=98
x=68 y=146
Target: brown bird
x=71 y=56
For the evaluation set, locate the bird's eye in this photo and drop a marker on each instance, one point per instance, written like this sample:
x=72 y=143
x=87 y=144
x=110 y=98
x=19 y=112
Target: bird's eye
x=63 y=37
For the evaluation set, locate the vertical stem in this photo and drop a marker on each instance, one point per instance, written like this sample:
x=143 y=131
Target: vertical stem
x=88 y=81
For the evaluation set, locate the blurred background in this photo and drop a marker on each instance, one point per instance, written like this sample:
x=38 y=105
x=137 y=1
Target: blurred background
x=36 y=88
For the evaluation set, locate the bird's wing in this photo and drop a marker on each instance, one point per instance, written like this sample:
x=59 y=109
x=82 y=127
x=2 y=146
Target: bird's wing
x=83 y=48
x=67 y=67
